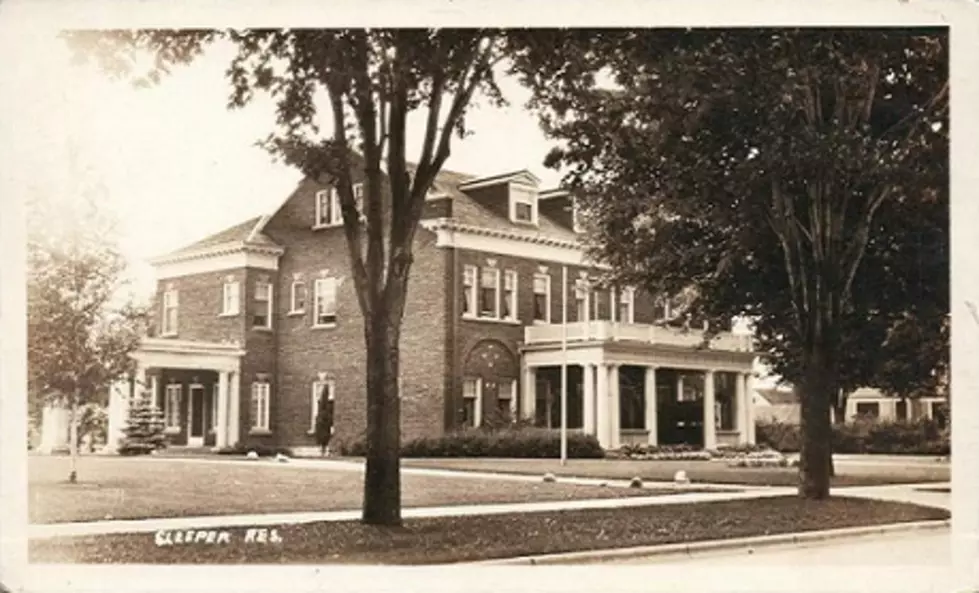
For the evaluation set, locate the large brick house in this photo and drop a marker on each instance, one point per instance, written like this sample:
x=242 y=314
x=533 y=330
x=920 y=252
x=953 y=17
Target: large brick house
x=258 y=325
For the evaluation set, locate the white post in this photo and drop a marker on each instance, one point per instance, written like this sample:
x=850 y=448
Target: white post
x=710 y=428
x=602 y=421
x=749 y=415
x=651 y=402
x=615 y=417
x=564 y=365
x=235 y=420
x=588 y=398
x=741 y=403
x=529 y=399
x=221 y=436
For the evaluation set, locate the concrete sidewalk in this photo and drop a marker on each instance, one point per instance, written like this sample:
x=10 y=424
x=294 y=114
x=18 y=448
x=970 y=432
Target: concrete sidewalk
x=38 y=531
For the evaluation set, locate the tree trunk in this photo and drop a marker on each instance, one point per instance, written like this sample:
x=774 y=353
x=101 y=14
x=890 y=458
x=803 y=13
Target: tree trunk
x=815 y=459
x=73 y=440
x=382 y=479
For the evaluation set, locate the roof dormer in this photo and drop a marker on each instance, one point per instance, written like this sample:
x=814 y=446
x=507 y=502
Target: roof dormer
x=514 y=195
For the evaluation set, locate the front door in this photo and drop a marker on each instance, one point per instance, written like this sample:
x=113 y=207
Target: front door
x=195 y=429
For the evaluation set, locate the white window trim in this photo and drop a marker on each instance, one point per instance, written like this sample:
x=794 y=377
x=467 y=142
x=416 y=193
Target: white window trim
x=532 y=201
x=627 y=296
x=547 y=297
x=474 y=293
x=314 y=400
x=477 y=400
x=268 y=317
x=496 y=312
x=292 y=297
x=171 y=299
x=514 y=299
x=235 y=299
x=330 y=281
x=172 y=399
x=261 y=390
x=581 y=287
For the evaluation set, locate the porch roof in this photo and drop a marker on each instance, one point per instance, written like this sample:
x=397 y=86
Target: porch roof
x=189 y=354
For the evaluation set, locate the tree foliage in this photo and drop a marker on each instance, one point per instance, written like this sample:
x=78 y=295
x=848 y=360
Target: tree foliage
x=797 y=177
x=370 y=82
x=144 y=430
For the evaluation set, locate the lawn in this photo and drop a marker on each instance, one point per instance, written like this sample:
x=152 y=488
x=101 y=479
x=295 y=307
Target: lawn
x=848 y=474
x=131 y=488
x=478 y=537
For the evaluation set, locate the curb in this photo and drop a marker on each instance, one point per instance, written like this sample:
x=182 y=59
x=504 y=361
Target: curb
x=692 y=548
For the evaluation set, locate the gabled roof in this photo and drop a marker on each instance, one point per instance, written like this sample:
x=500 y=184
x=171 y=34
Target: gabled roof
x=778 y=397
x=522 y=175
x=248 y=232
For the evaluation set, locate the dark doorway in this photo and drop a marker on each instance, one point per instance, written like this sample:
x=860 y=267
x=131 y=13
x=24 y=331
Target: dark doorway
x=680 y=415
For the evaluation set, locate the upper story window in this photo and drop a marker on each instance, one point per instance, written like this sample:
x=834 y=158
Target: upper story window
x=230 y=301
x=489 y=293
x=169 y=325
x=327 y=208
x=469 y=291
x=581 y=299
x=297 y=299
x=542 y=297
x=627 y=305
x=509 y=300
x=324 y=302
x=262 y=316
x=523 y=204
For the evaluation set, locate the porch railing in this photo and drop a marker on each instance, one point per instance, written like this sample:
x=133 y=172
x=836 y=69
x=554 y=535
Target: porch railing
x=614 y=331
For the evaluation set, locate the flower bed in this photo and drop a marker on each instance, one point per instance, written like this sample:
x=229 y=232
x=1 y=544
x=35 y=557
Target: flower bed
x=737 y=455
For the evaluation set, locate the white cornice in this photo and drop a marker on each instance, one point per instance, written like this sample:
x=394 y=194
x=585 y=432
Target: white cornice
x=517 y=176
x=450 y=233
x=226 y=256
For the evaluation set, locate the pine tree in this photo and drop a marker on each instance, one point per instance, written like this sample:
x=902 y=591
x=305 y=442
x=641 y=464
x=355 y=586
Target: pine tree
x=144 y=428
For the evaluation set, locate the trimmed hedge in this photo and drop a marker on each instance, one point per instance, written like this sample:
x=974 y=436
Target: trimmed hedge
x=514 y=443
x=920 y=437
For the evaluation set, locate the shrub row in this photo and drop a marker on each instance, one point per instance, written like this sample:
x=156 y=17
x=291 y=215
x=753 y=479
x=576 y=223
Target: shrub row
x=517 y=443
x=920 y=437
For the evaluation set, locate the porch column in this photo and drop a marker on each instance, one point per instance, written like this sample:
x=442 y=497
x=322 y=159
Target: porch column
x=154 y=391
x=119 y=402
x=235 y=406
x=588 y=398
x=221 y=435
x=603 y=423
x=651 y=402
x=749 y=409
x=710 y=428
x=529 y=398
x=615 y=417
x=741 y=409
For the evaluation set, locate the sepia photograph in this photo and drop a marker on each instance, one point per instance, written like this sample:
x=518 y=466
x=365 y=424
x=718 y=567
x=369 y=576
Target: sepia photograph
x=486 y=298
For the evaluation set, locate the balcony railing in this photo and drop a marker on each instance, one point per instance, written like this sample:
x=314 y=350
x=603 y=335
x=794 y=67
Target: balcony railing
x=613 y=331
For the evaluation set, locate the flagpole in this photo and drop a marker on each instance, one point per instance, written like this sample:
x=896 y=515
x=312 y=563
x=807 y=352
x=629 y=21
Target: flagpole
x=564 y=365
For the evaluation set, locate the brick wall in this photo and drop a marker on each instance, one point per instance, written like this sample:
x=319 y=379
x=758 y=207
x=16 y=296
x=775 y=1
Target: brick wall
x=199 y=300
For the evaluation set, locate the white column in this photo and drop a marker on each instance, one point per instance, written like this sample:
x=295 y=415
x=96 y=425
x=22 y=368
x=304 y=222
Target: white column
x=749 y=411
x=615 y=418
x=710 y=428
x=118 y=413
x=529 y=398
x=603 y=423
x=651 y=402
x=54 y=428
x=478 y=406
x=221 y=436
x=588 y=398
x=234 y=421
x=154 y=391
x=741 y=408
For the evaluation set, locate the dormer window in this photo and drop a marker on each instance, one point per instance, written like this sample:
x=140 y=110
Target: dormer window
x=523 y=204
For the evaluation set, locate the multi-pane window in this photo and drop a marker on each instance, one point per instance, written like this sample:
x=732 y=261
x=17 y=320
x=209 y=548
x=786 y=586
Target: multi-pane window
x=509 y=302
x=470 y=402
x=626 y=310
x=506 y=398
x=489 y=292
x=171 y=405
x=868 y=409
x=325 y=301
x=261 y=399
x=262 y=315
x=542 y=298
x=321 y=397
x=169 y=325
x=230 y=298
x=469 y=290
x=523 y=201
x=327 y=208
x=298 y=297
x=581 y=300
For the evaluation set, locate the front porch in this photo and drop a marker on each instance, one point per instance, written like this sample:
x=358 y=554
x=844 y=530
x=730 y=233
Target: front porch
x=632 y=384
x=195 y=384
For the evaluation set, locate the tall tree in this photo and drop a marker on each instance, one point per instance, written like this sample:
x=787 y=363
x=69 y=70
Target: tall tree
x=373 y=81
x=79 y=334
x=778 y=172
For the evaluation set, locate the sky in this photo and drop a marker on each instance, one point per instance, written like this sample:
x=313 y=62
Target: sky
x=172 y=164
